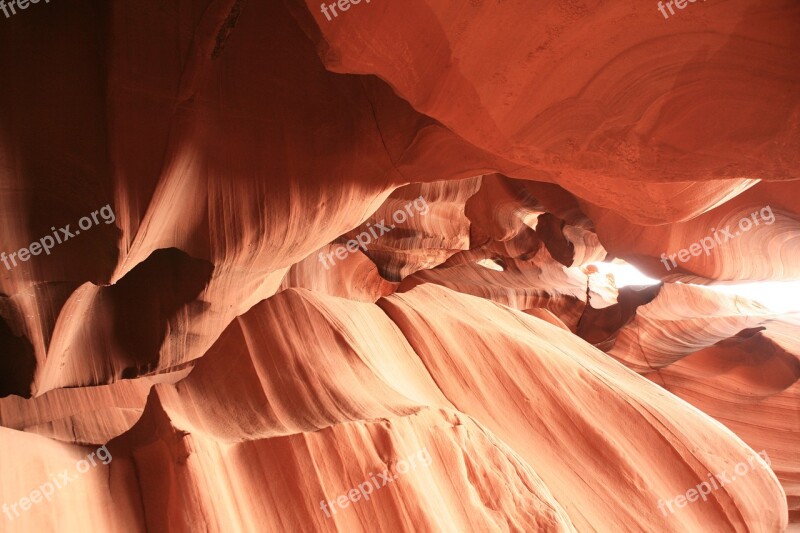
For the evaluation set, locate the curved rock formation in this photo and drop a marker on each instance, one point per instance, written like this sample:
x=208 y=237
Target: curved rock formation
x=281 y=266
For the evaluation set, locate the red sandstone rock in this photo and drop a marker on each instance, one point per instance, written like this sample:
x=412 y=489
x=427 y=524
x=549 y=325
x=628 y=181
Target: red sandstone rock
x=238 y=381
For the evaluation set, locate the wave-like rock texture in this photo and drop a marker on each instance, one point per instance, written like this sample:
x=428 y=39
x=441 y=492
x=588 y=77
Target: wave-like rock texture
x=746 y=389
x=318 y=408
x=83 y=415
x=288 y=253
x=725 y=355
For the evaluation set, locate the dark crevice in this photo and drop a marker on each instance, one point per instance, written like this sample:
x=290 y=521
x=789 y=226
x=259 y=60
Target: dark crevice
x=17 y=363
x=227 y=28
x=143 y=303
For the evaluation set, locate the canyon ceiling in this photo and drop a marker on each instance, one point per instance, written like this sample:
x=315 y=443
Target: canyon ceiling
x=259 y=256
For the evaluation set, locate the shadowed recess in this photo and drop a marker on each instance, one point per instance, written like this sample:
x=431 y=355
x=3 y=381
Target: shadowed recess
x=144 y=301
x=17 y=363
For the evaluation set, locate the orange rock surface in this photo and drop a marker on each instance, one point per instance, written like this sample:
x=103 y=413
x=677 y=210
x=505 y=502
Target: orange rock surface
x=354 y=246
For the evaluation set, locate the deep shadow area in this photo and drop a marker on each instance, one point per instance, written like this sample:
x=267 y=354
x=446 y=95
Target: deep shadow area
x=17 y=363
x=600 y=327
x=147 y=298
